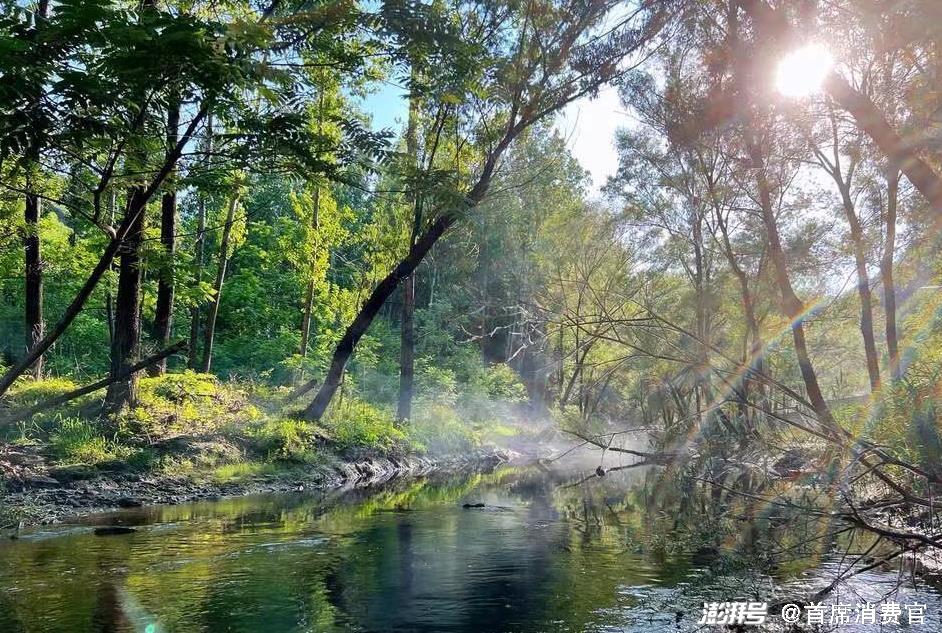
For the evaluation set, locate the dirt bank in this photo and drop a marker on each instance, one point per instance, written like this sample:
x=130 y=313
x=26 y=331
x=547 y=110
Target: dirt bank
x=36 y=495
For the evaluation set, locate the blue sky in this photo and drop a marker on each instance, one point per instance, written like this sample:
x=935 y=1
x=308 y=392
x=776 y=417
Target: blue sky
x=588 y=126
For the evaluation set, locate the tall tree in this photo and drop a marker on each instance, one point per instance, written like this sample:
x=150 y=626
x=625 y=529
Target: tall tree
x=842 y=173
x=887 y=258
x=33 y=277
x=125 y=344
x=545 y=62
x=226 y=244
x=163 y=316
x=792 y=306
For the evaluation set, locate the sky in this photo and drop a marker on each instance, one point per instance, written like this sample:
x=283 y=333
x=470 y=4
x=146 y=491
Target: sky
x=588 y=125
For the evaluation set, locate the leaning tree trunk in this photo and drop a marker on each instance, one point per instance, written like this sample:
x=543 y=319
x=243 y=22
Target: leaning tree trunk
x=163 y=314
x=104 y=263
x=210 y=333
x=886 y=271
x=368 y=312
x=791 y=304
x=385 y=288
x=125 y=346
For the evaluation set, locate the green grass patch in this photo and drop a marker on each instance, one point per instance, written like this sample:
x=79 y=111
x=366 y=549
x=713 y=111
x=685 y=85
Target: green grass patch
x=242 y=471
x=77 y=441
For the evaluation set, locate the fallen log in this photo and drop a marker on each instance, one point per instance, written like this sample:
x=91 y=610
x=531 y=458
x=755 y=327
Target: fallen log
x=56 y=401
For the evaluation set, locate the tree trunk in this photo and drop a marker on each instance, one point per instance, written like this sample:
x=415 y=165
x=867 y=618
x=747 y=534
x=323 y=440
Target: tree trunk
x=34 y=281
x=309 y=294
x=898 y=151
x=59 y=400
x=886 y=271
x=199 y=260
x=863 y=289
x=753 y=336
x=163 y=316
x=403 y=269
x=210 y=333
x=306 y=320
x=407 y=323
x=370 y=309
x=771 y=23
x=791 y=304
x=125 y=347
x=33 y=271
x=407 y=350
x=78 y=302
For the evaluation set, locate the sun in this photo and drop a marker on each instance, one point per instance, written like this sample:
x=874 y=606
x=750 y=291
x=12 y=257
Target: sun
x=803 y=71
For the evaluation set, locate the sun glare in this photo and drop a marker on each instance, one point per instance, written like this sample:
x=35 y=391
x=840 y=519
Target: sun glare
x=801 y=72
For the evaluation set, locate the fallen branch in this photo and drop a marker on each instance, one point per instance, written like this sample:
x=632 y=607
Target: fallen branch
x=656 y=457
x=95 y=386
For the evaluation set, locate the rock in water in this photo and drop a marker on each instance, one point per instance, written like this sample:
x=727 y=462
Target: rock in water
x=113 y=530
x=127 y=502
x=473 y=505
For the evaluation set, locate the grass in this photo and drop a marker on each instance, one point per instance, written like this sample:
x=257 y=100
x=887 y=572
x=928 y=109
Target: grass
x=77 y=441
x=242 y=471
x=194 y=425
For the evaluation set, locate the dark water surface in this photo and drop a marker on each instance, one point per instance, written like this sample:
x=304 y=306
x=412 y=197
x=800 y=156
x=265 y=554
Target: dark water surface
x=544 y=555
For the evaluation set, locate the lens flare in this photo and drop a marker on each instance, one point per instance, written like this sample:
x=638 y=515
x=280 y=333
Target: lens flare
x=803 y=71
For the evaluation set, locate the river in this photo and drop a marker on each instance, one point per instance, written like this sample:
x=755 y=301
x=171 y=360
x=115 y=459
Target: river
x=545 y=553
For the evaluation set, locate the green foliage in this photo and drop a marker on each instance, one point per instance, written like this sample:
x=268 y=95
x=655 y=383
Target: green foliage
x=439 y=429
x=78 y=441
x=285 y=439
x=354 y=424
x=499 y=382
x=186 y=403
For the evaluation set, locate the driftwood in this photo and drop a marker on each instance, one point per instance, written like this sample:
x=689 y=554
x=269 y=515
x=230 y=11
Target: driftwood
x=95 y=386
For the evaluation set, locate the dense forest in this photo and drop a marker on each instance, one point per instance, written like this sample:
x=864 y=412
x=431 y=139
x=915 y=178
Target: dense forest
x=203 y=233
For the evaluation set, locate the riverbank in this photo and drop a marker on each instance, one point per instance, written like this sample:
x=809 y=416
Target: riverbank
x=193 y=436
x=50 y=495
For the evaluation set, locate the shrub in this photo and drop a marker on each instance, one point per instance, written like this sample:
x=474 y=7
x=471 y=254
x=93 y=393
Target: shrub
x=356 y=424
x=439 y=429
x=285 y=439
x=186 y=403
x=500 y=382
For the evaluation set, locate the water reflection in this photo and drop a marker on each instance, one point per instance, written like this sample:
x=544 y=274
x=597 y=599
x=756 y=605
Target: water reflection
x=605 y=555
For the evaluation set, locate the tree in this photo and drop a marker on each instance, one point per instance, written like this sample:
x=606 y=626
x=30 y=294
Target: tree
x=541 y=68
x=163 y=317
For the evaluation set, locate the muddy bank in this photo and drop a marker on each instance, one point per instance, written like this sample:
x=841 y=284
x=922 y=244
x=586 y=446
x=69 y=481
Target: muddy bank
x=60 y=493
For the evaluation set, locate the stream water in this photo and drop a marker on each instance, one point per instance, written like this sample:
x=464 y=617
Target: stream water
x=546 y=553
